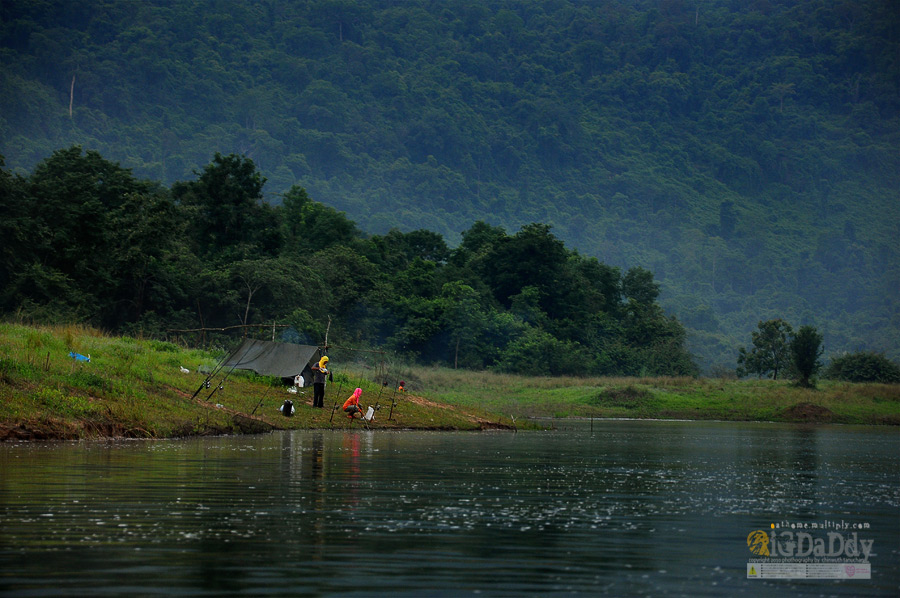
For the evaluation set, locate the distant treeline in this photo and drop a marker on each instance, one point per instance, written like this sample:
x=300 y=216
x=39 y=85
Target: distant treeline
x=85 y=240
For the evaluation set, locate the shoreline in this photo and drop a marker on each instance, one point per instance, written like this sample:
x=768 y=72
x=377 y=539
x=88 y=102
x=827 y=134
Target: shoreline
x=139 y=388
x=54 y=430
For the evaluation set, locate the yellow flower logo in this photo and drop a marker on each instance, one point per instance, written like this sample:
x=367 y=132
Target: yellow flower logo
x=758 y=543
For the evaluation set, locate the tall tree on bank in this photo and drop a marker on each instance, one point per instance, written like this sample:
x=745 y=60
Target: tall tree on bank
x=806 y=349
x=770 y=353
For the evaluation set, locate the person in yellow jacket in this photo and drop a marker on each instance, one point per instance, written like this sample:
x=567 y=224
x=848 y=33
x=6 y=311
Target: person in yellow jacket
x=320 y=371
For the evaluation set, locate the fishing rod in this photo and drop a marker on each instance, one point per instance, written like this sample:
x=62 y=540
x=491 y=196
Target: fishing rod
x=221 y=384
x=393 y=402
x=261 y=400
x=210 y=375
x=334 y=406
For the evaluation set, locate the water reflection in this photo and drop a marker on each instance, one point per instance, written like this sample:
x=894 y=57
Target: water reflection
x=637 y=507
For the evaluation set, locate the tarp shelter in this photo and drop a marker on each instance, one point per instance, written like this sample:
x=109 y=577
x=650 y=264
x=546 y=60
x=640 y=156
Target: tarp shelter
x=266 y=358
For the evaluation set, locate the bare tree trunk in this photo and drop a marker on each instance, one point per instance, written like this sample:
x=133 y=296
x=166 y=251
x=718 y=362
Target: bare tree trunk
x=71 y=95
x=250 y=292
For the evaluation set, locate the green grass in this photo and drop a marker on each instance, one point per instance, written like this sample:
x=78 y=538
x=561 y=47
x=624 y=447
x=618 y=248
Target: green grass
x=665 y=398
x=135 y=388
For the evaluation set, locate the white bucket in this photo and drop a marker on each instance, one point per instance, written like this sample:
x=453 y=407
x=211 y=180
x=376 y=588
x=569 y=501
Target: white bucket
x=370 y=413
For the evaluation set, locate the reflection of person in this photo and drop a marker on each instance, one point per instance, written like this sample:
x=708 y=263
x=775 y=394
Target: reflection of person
x=319 y=372
x=351 y=405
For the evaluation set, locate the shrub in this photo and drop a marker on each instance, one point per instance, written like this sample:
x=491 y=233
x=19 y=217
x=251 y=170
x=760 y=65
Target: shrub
x=61 y=404
x=164 y=347
x=628 y=397
x=89 y=380
x=863 y=366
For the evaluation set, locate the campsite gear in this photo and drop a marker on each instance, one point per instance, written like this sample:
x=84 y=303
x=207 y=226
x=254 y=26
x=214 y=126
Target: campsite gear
x=287 y=408
x=221 y=385
x=393 y=401
x=260 y=401
x=79 y=356
x=205 y=383
x=334 y=408
x=370 y=413
x=268 y=358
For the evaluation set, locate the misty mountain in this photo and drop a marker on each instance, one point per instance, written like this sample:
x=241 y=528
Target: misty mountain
x=747 y=153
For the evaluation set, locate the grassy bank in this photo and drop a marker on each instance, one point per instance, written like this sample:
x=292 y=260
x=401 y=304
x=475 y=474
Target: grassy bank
x=666 y=398
x=137 y=388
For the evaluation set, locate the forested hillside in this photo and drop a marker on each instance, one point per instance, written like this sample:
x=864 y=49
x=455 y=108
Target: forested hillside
x=86 y=241
x=746 y=153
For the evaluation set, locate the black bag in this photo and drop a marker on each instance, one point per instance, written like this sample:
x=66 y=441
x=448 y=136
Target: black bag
x=287 y=408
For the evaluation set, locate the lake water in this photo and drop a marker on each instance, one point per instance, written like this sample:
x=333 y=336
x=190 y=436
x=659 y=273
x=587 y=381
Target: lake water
x=634 y=508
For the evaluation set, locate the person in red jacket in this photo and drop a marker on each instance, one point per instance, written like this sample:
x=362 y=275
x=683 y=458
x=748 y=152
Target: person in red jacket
x=351 y=405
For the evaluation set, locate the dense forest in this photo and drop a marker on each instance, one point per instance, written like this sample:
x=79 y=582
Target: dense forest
x=746 y=153
x=85 y=240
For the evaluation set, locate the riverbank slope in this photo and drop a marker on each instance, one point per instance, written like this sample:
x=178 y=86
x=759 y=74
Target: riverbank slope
x=139 y=388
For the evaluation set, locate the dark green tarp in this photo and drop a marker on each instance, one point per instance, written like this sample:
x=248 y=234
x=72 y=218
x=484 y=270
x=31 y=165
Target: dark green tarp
x=272 y=359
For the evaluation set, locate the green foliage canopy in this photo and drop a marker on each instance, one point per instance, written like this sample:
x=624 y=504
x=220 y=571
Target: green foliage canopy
x=770 y=352
x=209 y=253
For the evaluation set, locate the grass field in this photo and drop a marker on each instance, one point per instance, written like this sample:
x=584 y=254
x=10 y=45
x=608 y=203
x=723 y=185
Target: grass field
x=136 y=388
x=663 y=398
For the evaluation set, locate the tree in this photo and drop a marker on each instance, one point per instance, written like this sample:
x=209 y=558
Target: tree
x=781 y=91
x=727 y=219
x=770 y=352
x=15 y=228
x=230 y=219
x=309 y=226
x=75 y=218
x=531 y=257
x=151 y=259
x=537 y=353
x=806 y=349
x=638 y=284
x=464 y=319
